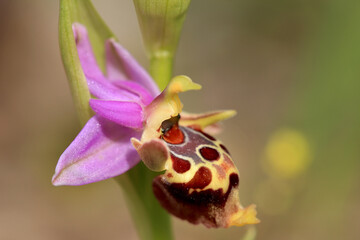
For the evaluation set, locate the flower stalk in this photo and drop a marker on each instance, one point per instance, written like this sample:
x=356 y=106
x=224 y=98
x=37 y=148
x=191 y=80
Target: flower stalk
x=161 y=68
x=151 y=221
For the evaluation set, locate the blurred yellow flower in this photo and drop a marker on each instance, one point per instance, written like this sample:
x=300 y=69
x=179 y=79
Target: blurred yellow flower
x=287 y=154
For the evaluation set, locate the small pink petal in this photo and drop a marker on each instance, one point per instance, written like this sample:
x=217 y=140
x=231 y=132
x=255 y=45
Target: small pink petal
x=121 y=65
x=98 y=85
x=104 y=89
x=128 y=114
x=144 y=95
x=85 y=52
x=101 y=150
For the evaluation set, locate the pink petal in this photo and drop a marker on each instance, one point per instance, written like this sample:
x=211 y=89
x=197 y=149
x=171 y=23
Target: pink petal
x=101 y=150
x=99 y=86
x=85 y=52
x=121 y=65
x=104 y=89
x=144 y=95
x=128 y=114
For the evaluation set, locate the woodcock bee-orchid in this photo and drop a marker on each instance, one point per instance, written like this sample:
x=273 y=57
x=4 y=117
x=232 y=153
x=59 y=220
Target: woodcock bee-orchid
x=200 y=183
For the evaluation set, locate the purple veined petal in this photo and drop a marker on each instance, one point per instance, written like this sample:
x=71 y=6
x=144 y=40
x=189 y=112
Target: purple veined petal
x=101 y=150
x=121 y=65
x=85 y=52
x=128 y=114
x=144 y=95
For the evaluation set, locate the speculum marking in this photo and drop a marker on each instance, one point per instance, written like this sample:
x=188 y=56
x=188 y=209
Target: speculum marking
x=209 y=154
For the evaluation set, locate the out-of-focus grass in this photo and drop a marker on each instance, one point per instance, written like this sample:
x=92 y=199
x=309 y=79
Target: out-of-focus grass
x=325 y=107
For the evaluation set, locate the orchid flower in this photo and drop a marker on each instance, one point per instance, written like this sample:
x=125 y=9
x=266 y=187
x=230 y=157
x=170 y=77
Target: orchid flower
x=200 y=183
x=134 y=121
x=103 y=149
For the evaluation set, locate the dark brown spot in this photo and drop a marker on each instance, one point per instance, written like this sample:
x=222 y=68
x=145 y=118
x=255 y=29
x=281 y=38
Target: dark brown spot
x=169 y=175
x=209 y=154
x=201 y=179
x=180 y=165
x=234 y=179
x=195 y=207
x=225 y=149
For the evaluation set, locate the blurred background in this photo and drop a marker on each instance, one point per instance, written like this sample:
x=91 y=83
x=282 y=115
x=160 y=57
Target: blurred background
x=291 y=69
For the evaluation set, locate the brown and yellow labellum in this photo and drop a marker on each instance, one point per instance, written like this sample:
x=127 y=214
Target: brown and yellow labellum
x=201 y=182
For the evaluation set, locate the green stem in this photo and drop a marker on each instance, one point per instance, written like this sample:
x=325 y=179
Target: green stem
x=250 y=233
x=161 y=67
x=152 y=222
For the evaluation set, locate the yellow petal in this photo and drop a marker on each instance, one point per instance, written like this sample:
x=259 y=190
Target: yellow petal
x=244 y=216
x=181 y=84
x=205 y=119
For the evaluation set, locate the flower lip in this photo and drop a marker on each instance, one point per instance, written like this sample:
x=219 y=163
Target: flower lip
x=200 y=183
